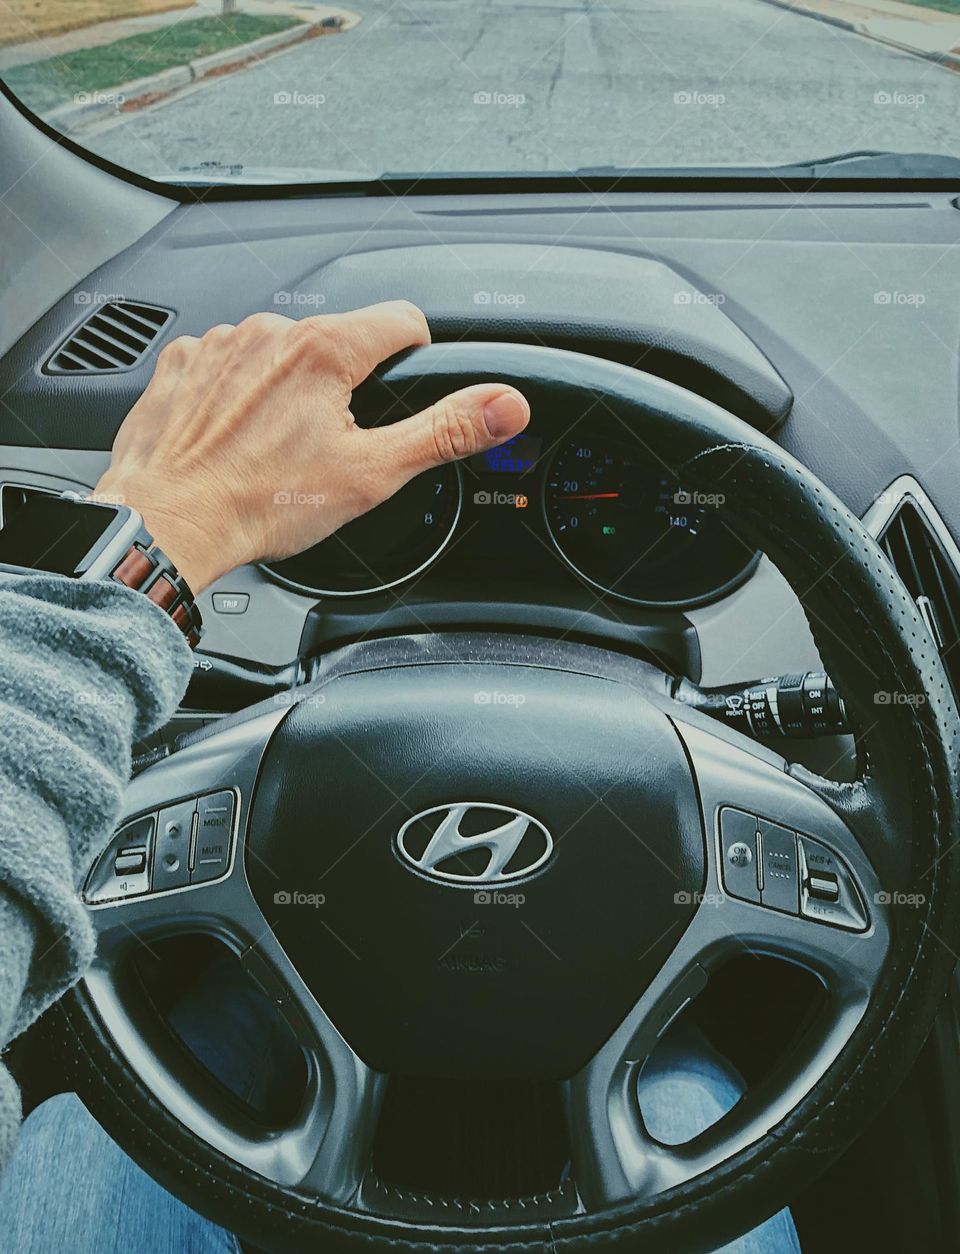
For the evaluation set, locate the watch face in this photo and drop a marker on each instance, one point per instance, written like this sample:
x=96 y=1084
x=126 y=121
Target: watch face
x=54 y=533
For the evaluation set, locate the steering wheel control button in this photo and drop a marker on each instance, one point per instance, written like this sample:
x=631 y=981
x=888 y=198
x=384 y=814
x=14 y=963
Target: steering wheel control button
x=171 y=856
x=211 y=845
x=738 y=840
x=779 y=868
x=130 y=862
x=122 y=870
x=824 y=887
x=230 y=602
x=829 y=892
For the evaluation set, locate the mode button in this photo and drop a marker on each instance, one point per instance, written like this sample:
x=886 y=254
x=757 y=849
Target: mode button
x=211 y=850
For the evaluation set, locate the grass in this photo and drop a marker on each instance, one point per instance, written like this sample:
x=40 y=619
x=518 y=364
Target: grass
x=945 y=6
x=36 y=19
x=42 y=85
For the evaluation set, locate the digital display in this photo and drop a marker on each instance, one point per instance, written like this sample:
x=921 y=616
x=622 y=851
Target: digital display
x=515 y=457
x=50 y=533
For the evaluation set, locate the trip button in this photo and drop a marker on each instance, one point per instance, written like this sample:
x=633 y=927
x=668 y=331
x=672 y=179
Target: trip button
x=829 y=892
x=738 y=847
x=171 y=858
x=779 y=869
x=211 y=852
x=231 y=602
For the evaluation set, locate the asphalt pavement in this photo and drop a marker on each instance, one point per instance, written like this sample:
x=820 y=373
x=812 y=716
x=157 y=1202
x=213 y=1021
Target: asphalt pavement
x=552 y=85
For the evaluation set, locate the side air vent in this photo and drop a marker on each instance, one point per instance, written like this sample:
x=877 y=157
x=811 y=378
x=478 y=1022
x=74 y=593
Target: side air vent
x=116 y=336
x=925 y=556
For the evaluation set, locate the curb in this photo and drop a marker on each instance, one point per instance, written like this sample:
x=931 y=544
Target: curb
x=94 y=106
x=950 y=59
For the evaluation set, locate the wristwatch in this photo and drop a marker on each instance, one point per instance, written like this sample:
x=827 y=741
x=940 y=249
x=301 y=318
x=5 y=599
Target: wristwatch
x=71 y=535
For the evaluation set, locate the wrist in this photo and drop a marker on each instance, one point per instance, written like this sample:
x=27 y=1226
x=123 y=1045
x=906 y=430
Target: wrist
x=183 y=542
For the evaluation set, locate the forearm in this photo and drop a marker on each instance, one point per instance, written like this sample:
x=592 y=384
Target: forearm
x=85 y=669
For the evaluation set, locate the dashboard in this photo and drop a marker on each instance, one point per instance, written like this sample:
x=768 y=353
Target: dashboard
x=771 y=305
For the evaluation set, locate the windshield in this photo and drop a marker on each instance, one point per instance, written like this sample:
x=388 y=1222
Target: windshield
x=273 y=91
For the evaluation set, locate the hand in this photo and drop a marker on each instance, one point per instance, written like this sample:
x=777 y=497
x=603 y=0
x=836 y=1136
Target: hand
x=245 y=413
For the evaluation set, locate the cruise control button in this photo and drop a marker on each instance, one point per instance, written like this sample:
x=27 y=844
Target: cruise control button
x=779 y=870
x=211 y=854
x=824 y=887
x=829 y=892
x=738 y=842
x=171 y=858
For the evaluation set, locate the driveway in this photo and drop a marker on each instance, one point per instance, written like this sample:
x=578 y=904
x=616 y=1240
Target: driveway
x=444 y=85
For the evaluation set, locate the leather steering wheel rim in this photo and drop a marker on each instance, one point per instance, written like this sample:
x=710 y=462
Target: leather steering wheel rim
x=903 y=810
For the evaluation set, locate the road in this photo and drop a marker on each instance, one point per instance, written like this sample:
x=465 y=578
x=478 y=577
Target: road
x=442 y=85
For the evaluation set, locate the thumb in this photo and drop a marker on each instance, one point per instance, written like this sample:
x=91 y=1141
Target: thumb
x=463 y=423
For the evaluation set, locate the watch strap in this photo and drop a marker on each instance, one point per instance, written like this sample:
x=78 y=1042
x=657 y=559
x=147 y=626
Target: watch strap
x=150 y=571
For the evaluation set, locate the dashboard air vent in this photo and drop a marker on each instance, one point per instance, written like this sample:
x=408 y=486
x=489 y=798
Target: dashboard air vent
x=917 y=543
x=116 y=336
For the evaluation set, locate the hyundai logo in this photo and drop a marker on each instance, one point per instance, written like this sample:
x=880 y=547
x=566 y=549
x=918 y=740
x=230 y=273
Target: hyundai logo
x=512 y=839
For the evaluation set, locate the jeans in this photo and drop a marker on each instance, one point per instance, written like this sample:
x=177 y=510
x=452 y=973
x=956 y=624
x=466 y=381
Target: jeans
x=71 y=1190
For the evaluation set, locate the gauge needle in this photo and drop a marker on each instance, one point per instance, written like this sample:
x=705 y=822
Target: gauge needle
x=591 y=496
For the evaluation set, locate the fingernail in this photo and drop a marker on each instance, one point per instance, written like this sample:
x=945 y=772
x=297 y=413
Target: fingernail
x=505 y=415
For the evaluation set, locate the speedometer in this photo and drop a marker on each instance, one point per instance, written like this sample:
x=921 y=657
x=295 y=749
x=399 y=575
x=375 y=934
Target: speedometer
x=625 y=525
x=382 y=548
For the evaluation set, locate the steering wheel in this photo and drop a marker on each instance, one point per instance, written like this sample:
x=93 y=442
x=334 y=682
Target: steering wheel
x=639 y=884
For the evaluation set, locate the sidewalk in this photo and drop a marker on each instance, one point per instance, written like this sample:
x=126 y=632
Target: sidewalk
x=108 y=32
x=927 y=32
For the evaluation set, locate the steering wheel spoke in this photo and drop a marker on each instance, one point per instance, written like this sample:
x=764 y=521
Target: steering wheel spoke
x=325 y=1148
x=810 y=897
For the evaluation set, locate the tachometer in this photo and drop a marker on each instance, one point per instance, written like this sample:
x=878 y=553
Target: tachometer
x=385 y=547
x=625 y=525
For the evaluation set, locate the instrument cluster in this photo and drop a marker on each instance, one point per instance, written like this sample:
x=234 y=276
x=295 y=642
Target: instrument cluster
x=595 y=502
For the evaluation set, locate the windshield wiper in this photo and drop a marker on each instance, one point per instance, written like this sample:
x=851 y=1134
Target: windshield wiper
x=862 y=163
x=211 y=173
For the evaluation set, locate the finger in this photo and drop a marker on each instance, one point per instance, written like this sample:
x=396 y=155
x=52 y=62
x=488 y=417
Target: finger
x=368 y=336
x=463 y=423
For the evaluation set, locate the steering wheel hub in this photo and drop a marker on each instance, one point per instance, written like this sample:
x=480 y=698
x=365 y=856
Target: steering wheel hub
x=489 y=885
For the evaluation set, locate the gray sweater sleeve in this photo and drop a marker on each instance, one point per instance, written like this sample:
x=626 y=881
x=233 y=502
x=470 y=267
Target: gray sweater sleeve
x=85 y=669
